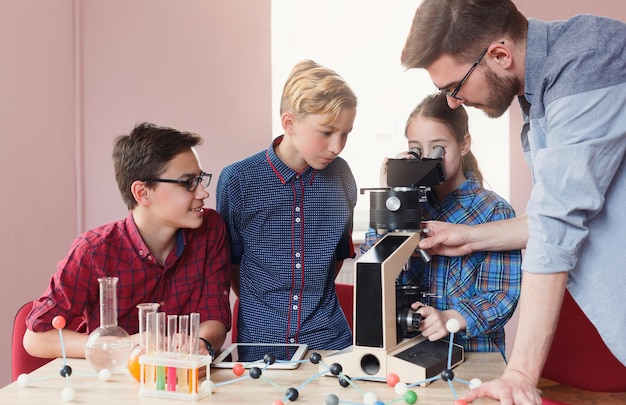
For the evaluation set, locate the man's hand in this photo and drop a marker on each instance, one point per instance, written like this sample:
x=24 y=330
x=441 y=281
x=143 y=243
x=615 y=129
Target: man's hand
x=446 y=239
x=513 y=388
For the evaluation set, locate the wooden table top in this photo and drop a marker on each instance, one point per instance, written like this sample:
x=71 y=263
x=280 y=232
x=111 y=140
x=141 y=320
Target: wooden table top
x=46 y=384
x=570 y=395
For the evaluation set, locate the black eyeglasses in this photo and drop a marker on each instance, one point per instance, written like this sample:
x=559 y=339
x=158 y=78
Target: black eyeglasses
x=191 y=184
x=454 y=92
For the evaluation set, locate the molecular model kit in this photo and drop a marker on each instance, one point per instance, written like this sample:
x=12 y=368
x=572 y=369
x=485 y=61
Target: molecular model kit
x=173 y=372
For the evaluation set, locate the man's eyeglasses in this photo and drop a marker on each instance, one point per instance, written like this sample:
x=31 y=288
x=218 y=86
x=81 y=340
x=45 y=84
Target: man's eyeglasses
x=191 y=184
x=454 y=92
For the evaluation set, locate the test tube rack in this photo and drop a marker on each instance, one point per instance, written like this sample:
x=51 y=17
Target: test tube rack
x=171 y=377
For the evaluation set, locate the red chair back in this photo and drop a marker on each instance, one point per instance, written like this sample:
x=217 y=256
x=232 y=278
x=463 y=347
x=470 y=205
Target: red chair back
x=578 y=356
x=345 y=293
x=233 y=328
x=21 y=361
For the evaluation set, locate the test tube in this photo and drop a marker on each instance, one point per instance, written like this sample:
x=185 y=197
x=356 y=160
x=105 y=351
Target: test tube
x=194 y=337
x=183 y=349
x=150 y=347
x=194 y=332
x=161 y=344
x=172 y=339
x=183 y=335
x=143 y=309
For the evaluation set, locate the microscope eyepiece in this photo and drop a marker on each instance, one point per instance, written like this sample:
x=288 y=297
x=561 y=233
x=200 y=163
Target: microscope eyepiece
x=437 y=152
x=415 y=153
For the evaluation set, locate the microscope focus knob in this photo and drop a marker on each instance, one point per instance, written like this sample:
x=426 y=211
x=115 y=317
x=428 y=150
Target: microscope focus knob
x=393 y=203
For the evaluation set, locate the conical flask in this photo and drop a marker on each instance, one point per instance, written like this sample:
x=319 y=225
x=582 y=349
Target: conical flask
x=109 y=346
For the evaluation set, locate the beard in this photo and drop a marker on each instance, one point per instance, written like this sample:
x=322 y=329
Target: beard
x=502 y=91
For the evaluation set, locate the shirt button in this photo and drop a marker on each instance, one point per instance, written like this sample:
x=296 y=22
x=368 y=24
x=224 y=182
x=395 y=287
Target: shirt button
x=296 y=298
x=297 y=209
x=295 y=307
x=150 y=257
x=298 y=265
x=140 y=252
x=297 y=254
x=292 y=340
x=298 y=220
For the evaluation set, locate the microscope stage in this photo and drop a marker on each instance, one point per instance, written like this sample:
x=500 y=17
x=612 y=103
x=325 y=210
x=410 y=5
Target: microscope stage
x=431 y=356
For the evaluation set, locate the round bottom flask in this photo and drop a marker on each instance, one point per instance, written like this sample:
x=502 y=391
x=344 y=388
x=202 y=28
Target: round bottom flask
x=109 y=346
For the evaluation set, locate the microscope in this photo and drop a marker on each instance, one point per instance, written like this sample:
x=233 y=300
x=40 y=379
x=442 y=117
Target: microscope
x=386 y=335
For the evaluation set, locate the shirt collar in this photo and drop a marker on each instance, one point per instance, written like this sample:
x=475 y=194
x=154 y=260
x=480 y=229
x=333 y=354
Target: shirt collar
x=283 y=172
x=140 y=246
x=181 y=241
x=536 y=54
x=464 y=195
x=135 y=237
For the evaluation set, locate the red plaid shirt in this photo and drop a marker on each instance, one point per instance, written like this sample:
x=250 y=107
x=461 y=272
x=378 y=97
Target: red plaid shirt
x=195 y=277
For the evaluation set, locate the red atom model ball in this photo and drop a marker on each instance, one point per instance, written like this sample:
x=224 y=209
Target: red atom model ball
x=238 y=369
x=58 y=322
x=392 y=379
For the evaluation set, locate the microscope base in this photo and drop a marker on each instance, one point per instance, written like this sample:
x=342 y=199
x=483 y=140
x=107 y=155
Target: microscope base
x=413 y=360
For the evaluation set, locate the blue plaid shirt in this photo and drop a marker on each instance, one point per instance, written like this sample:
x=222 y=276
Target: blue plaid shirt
x=287 y=231
x=483 y=287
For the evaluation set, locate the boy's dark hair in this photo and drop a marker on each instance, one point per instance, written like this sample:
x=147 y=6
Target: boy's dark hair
x=145 y=153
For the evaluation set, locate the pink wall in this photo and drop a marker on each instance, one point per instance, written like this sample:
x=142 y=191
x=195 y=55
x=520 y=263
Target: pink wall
x=75 y=74
x=191 y=65
x=37 y=153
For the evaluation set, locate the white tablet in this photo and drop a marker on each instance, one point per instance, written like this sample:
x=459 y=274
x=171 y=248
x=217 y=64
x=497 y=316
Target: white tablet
x=288 y=356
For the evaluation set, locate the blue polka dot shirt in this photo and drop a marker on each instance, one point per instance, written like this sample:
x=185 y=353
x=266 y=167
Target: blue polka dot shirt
x=287 y=231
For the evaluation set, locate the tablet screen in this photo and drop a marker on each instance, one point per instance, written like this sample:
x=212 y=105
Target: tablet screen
x=254 y=352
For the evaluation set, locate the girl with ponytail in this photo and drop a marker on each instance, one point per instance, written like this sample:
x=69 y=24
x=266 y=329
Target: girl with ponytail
x=481 y=289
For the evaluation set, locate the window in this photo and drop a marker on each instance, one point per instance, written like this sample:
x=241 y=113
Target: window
x=362 y=41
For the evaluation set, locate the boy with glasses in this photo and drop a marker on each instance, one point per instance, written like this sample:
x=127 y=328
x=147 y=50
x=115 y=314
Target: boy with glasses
x=170 y=249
